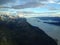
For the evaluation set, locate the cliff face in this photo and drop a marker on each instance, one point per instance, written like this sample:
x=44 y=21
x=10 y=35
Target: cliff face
x=22 y=33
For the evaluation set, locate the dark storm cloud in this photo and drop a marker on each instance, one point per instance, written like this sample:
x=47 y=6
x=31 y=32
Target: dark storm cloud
x=5 y=1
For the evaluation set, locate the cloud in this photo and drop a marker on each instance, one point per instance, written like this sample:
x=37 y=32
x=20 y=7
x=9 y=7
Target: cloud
x=4 y=7
x=34 y=3
x=26 y=12
x=21 y=4
x=21 y=1
x=33 y=0
x=10 y=1
x=29 y=5
x=58 y=3
x=52 y=8
x=54 y=1
x=5 y=1
x=51 y=1
x=26 y=1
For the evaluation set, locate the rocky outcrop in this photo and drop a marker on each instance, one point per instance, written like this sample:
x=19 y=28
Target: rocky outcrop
x=22 y=33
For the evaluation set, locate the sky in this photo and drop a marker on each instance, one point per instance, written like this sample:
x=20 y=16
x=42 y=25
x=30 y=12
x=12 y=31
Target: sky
x=37 y=6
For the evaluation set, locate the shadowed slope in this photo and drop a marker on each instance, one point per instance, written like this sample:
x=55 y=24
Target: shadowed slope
x=22 y=33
